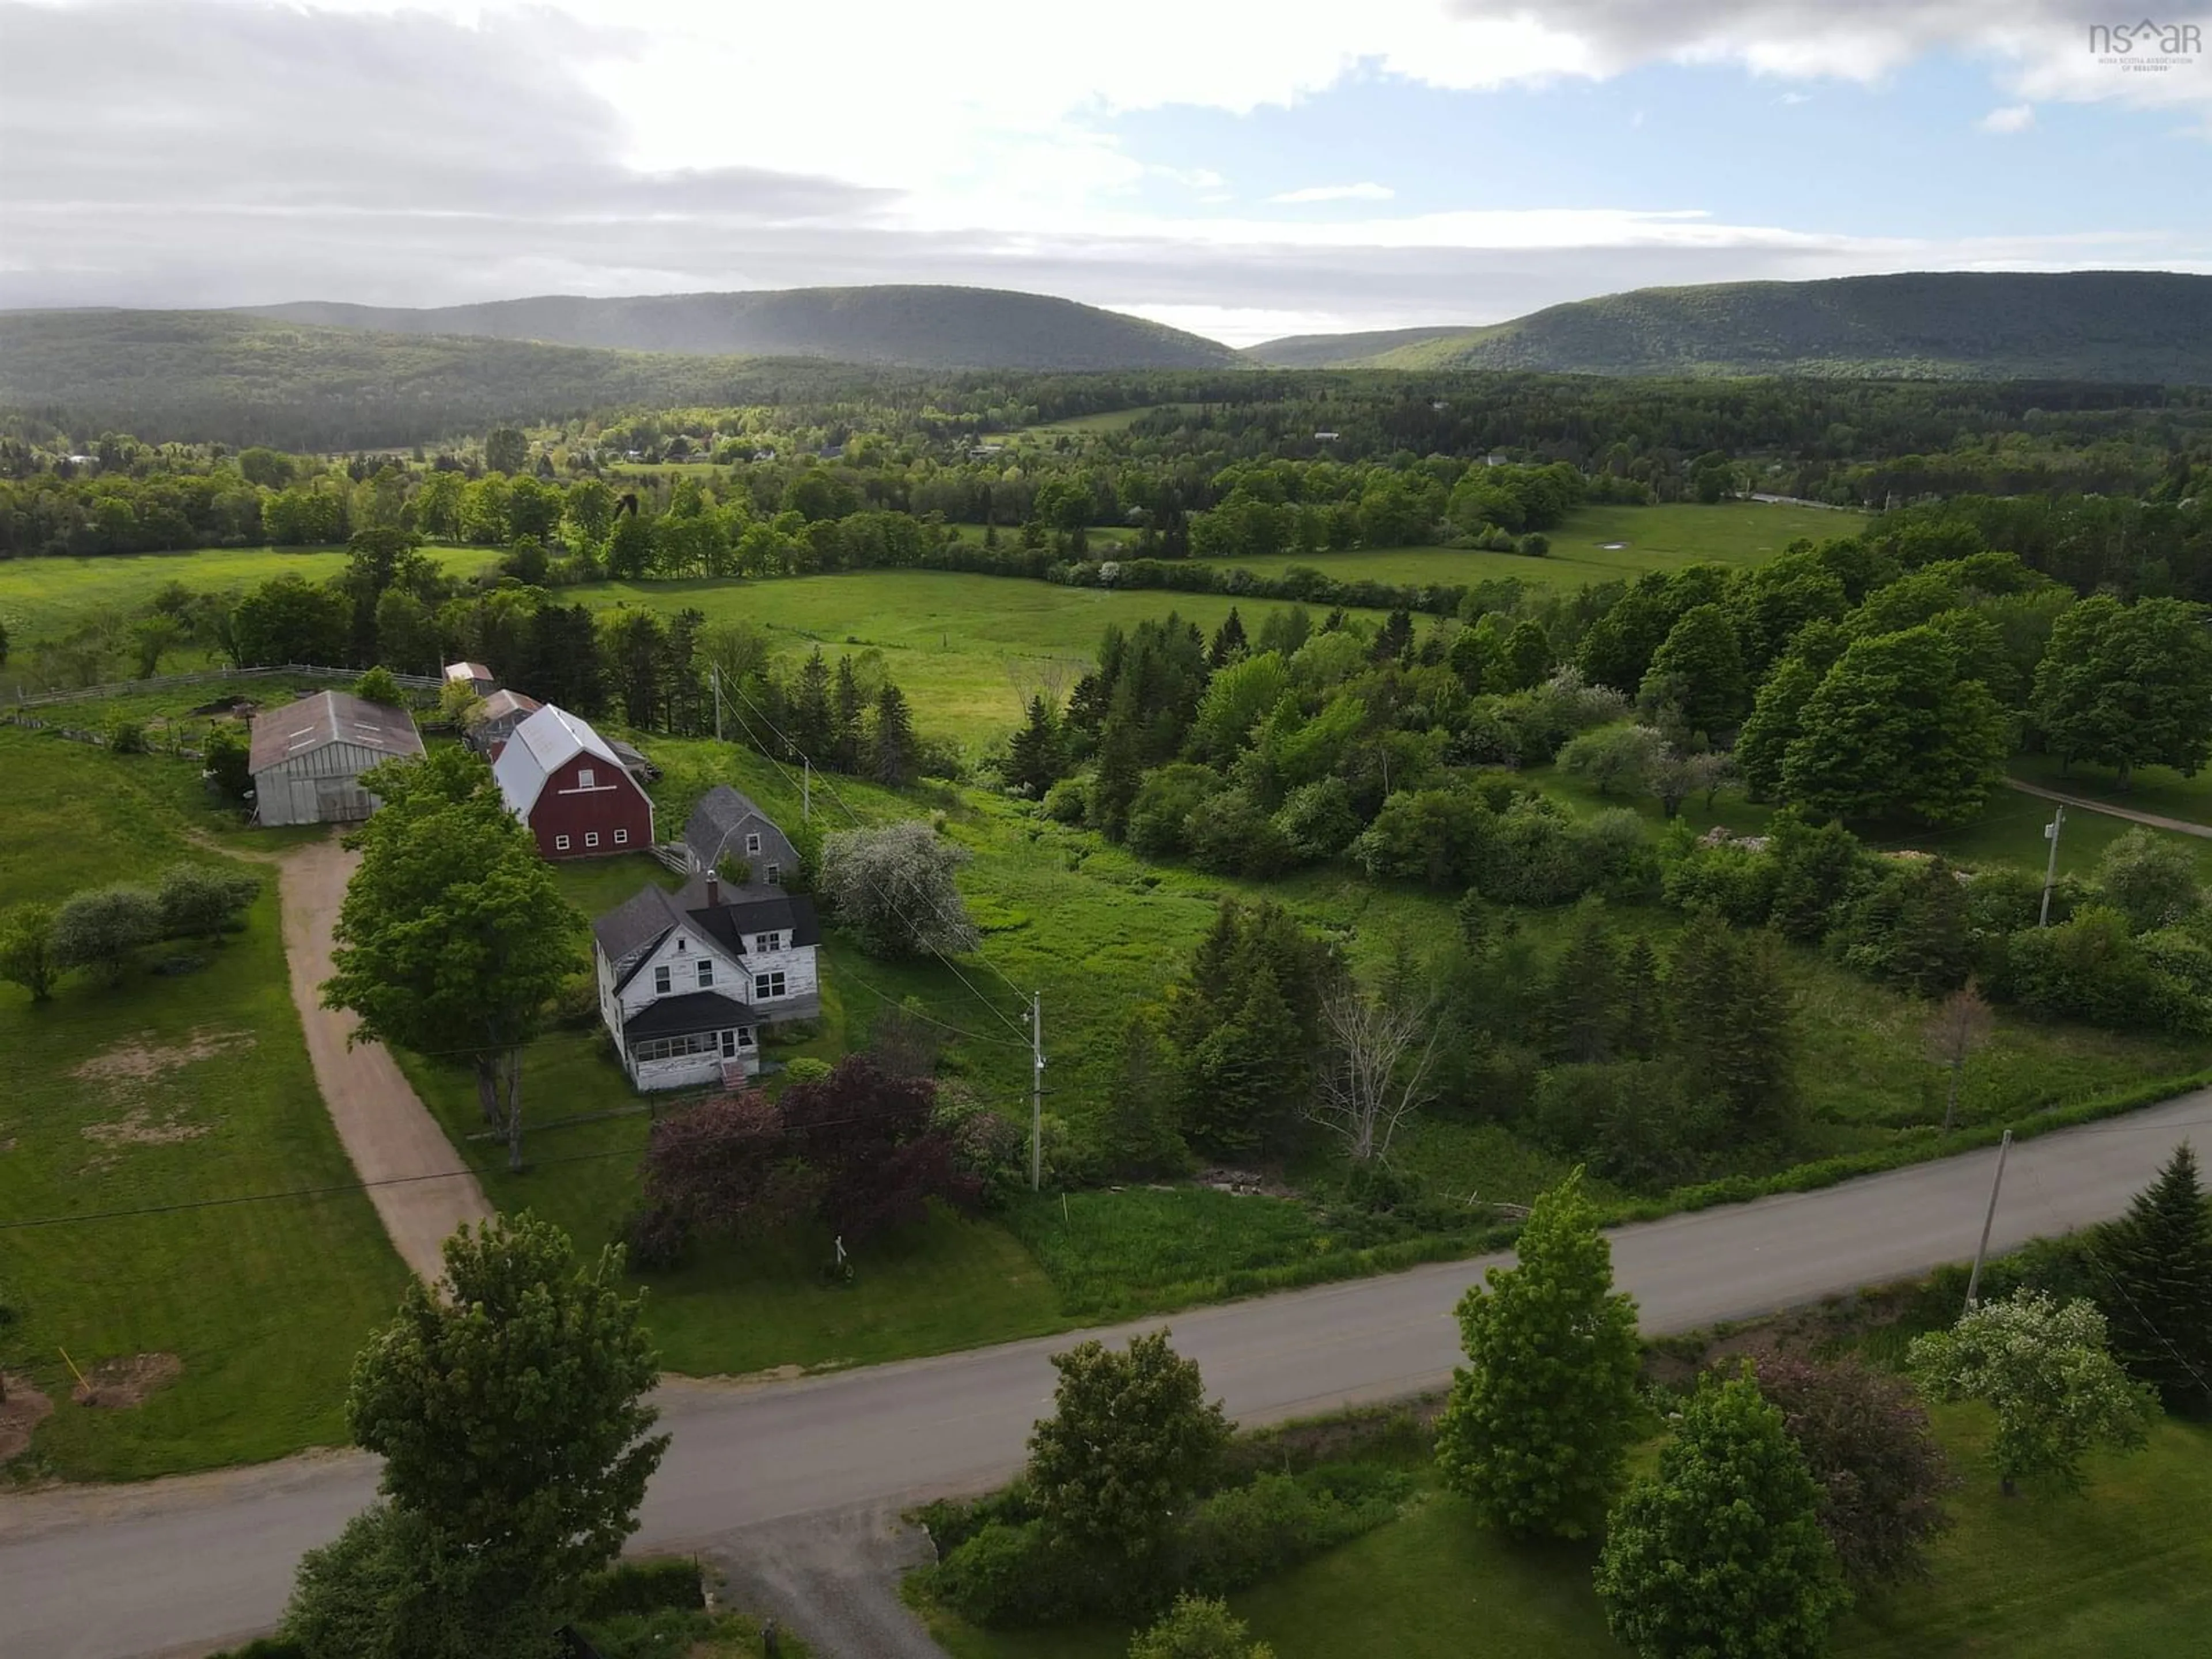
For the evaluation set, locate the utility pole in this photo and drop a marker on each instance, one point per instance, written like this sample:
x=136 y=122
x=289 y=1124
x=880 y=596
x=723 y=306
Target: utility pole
x=1974 y=1279
x=1036 y=1089
x=2050 y=865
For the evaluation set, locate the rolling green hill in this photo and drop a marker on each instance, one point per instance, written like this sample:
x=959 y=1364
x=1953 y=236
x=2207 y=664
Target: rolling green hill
x=1348 y=350
x=907 y=327
x=2142 y=326
x=241 y=380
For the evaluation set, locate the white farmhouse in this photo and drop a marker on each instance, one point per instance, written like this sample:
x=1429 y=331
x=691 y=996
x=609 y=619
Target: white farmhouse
x=690 y=979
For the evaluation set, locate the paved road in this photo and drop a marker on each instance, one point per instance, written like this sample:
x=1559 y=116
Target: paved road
x=386 y=1130
x=2180 y=826
x=119 y=1572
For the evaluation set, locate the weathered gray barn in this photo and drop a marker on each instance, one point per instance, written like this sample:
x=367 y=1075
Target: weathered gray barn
x=309 y=756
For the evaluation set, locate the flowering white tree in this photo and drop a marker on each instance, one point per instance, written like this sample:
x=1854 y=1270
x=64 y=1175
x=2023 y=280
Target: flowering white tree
x=892 y=885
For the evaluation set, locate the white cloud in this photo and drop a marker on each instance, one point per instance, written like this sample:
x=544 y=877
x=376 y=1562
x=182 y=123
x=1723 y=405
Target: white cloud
x=2011 y=118
x=435 y=151
x=1365 y=191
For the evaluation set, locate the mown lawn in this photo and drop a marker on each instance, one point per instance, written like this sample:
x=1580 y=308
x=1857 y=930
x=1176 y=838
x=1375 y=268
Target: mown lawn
x=170 y=1090
x=2124 y=1572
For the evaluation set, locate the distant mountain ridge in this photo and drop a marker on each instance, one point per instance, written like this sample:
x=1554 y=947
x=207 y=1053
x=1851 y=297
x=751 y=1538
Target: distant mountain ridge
x=2148 y=326
x=905 y=326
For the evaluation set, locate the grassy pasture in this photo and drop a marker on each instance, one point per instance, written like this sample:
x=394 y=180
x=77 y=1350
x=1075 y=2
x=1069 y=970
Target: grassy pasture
x=169 y=1090
x=968 y=650
x=1652 y=538
x=42 y=597
x=2123 y=1573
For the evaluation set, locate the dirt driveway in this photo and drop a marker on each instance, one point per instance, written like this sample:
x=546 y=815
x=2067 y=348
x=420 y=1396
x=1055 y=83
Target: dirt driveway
x=388 y=1133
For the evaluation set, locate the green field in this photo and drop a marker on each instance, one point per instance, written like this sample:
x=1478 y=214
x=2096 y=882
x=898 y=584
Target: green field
x=42 y=597
x=1649 y=538
x=2123 y=1573
x=969 y=651
x=172 y=1090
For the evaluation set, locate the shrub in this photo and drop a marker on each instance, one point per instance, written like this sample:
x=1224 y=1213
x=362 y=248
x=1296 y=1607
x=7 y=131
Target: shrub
x=642 y=1587
x=2090 y=969
x=197 y=902
x=1735 y=882
x=101 y=930
x=126 y=736
x=1229 y=835
x=805 y=1068
x=27 y=950
x=1195 y=1628
x=1247 y=1533
x=228 y=755
x=1023 y=1574
x=377 y=685
x=1316 y=819
x=1165 y=801
x=1064 y=803
x=659 y=1238
x=2149 y=879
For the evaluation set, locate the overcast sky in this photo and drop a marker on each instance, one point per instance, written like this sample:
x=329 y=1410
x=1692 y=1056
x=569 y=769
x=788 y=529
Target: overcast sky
x=1242 y=168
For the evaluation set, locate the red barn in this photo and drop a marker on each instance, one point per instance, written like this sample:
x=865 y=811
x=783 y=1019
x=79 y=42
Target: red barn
x=561 y=779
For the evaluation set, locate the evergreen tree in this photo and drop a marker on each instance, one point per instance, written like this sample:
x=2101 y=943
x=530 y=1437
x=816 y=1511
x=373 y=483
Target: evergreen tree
x=1730 y=1006
x=1537 y=1430
x=1582 y=1012
x=812 y=725
x=1242 y=1082
x=1035 y=757
x=1228 y=641
x=1642 y=1030
x=1120 y=773
x=891 y=749
x=2158 y=1300
x=1137 y=1131
x=1719 y=1553
x=845 y=712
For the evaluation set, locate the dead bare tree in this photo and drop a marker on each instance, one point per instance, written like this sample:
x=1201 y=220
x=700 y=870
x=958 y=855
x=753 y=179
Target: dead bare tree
x=1961 y=1024
x=1048 y=678
x=1375 y=1077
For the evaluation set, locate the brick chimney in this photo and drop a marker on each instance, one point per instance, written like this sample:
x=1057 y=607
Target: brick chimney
x=714 y=890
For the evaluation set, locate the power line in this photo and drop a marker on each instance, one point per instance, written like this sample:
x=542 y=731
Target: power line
x=783 y=771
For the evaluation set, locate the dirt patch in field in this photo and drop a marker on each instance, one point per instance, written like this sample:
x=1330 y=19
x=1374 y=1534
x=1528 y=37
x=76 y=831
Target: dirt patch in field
x=130 y=1073
x=136 y=1063
x=119 y=1384
x=20 y=1412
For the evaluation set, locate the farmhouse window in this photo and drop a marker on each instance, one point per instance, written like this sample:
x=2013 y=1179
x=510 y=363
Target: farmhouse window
x=560 y=843
x=706 y=972
x=622 y=837
x=770 y=942
x=663 y=981
x=676 y=1047
x=591 y=838
x=583 y=777
x=752 y=843
x=768 y=986
x=775 y=875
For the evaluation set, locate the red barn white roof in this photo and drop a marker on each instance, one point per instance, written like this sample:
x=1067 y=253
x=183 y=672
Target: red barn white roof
x=541 y=746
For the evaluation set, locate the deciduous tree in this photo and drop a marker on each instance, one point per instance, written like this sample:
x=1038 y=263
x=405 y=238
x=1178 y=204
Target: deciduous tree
x=1198 y=1627
x=1719 y=1554
x=893 y=885
x=27 y=950
x=2128 y=685
x=1132 y=1437
x=103 y=929
x=1376 y=1075
x=454 y=935
x=2043 y=1367
x=1880 y=1472
x=508 y=1405
x=1537 y=1430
